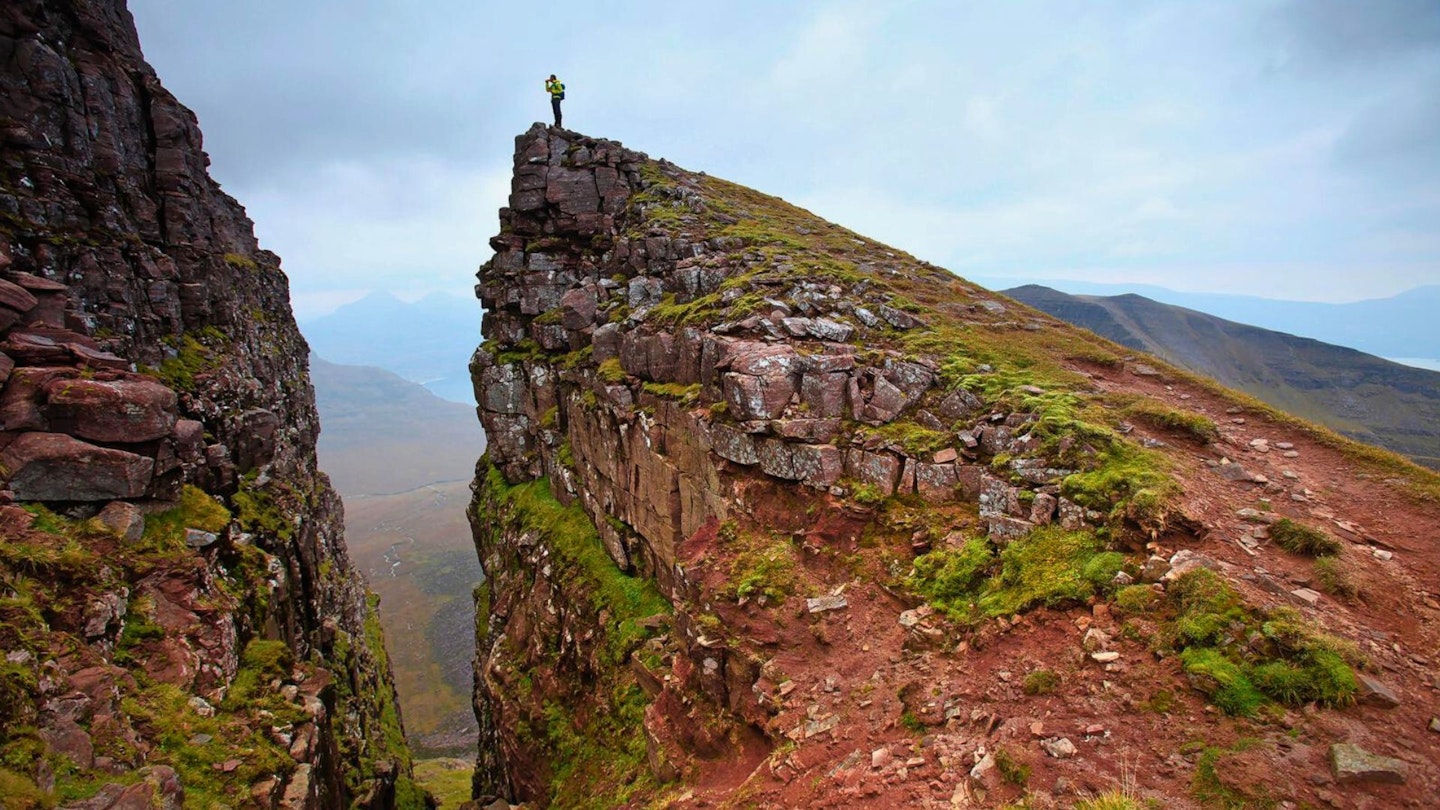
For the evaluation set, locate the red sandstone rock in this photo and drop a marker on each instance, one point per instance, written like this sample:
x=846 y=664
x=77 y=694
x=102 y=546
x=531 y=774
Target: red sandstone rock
x=125 y=411
x=57 y=467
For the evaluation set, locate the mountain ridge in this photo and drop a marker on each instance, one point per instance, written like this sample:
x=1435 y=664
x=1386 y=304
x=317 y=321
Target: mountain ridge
x=1367 y=398
x=774 y=513
x=1392 y=326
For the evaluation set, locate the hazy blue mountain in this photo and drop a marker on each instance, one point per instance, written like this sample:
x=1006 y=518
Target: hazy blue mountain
x=1399 y=326
x=1363 y=396
x=428 y=341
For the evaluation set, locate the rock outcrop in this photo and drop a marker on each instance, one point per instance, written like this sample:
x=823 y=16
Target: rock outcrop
x=762 y=496
x=176 y=597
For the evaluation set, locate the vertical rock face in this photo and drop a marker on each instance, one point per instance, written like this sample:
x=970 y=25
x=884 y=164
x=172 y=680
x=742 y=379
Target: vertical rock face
x=660 y=370
x=762 y=496
x=157 y=424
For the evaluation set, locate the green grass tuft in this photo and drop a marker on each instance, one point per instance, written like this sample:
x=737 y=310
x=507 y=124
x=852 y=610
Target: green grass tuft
x=1012 y=770
x=1242 y=658
x=1041 y=682
x=1135 y=599
x=1223 y=680
x=1046 y=567
x=1193 y=425
x=1297 y=538
x=1336 y=578
x=165 y=531
x=947 y=575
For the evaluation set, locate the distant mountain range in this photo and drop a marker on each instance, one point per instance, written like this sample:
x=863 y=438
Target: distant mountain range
x=1402 y=325
x=428 y=341
x=1357 y=394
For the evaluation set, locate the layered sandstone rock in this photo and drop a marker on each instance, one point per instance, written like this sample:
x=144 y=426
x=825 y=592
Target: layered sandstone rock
x=658 y=426
x=151 y=374
x=702 y=403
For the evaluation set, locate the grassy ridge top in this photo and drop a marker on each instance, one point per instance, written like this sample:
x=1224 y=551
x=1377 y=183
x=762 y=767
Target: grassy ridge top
x=978 y=339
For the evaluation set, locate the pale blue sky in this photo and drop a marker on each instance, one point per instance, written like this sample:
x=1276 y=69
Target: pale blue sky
x=1285 y=148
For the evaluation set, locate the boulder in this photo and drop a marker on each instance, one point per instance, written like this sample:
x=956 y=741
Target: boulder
x=1004 y=529
x=820 y=604
x=57 y=467
x=1375 y=693
x=898 y=318
x=1350 y=763
x=123 y=411
x=23 y=394
x=125 y=519
x=761 y=380
x=1059 y=747
x=776 y=459
x=885 y=403
x=817 y=465
x=256 y=430
x=819 y=431
x=824 y=393
x=606 y=341
x=501 y=389
x=573 y=191
x=15 y=297
x=958 y=404
x=936 y=482
x=577 y=308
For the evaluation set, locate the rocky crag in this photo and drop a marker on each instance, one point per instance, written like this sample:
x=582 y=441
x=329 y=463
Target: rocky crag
x=774 y=515
x=179 y=622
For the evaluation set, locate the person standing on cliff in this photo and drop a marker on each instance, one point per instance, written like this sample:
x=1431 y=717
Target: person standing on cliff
x=557 y=95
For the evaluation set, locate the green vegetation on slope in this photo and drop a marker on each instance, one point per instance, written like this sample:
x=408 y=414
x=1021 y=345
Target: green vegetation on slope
x=1049 y=566
x=592 y=741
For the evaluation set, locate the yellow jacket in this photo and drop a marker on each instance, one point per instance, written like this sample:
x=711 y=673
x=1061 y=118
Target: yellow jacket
x=556 y=88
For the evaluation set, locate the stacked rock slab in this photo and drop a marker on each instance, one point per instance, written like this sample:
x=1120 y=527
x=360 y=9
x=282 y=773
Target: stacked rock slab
x=146 y=346
x=656 y=427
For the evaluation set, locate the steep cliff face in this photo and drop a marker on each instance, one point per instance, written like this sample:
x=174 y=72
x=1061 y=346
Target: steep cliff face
x=789 y=518
x=181 y=622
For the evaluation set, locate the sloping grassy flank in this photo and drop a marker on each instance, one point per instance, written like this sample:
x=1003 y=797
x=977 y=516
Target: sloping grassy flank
x=1024 y=346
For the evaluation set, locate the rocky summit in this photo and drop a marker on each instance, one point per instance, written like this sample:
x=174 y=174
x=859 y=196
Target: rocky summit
x=774 y=515
x=179 y=622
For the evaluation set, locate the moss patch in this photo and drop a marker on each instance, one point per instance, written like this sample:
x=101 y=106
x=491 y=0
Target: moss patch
x=1243 y=658
x=1050 y=566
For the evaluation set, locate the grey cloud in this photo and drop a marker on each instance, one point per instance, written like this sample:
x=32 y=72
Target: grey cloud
x=1398 y=135
x=1355 y=31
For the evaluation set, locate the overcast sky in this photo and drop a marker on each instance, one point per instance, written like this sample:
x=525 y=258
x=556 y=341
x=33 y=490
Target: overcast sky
x=1284 y=148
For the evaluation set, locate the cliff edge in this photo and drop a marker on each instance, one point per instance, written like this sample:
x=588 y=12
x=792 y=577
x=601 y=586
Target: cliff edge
x=179 y=622
x=775 y=515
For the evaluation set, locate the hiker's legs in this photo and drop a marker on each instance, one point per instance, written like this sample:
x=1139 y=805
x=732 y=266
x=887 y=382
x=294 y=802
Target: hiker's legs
x=555 y=105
